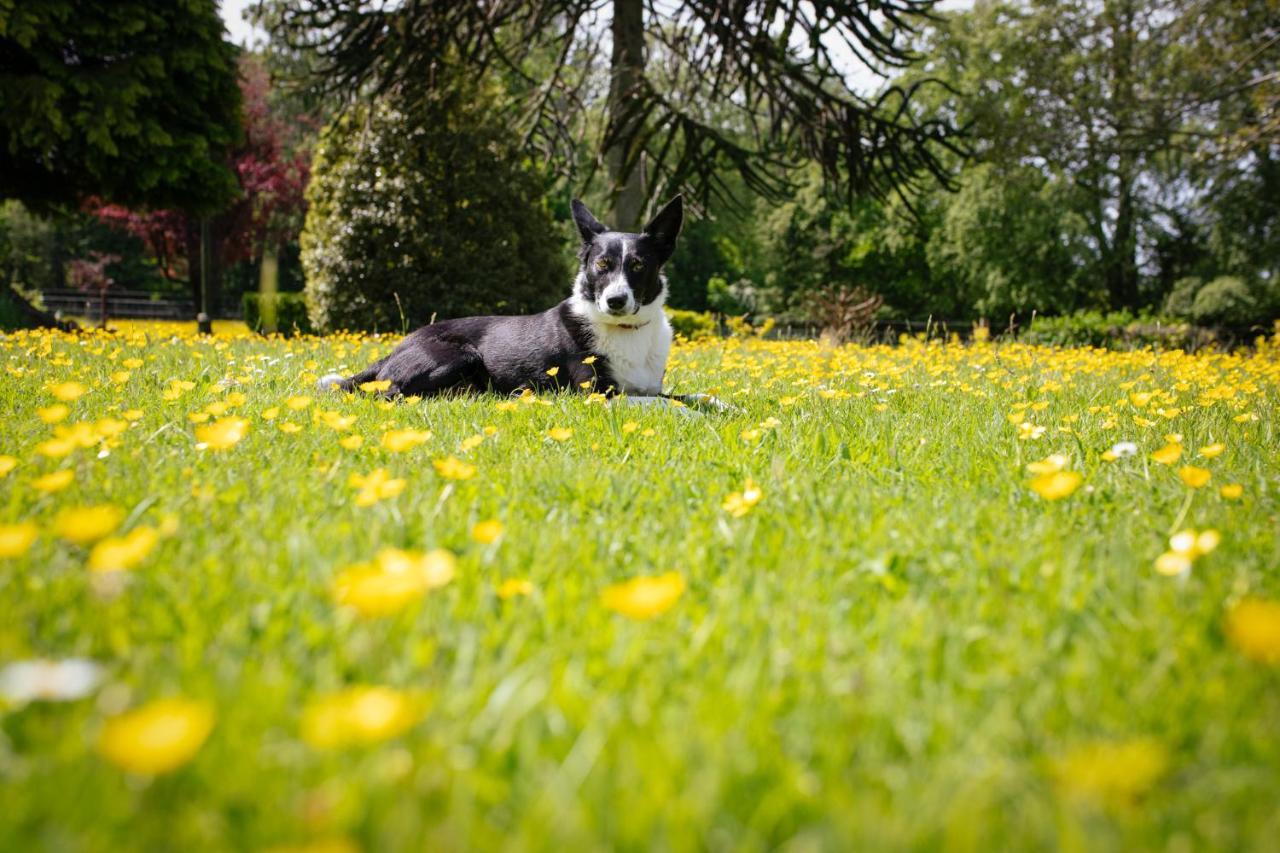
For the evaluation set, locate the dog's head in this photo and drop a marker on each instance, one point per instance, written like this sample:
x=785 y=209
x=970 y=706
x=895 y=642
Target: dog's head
x=621 y=273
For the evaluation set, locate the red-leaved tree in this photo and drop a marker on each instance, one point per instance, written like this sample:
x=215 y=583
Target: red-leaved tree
x=272 y=165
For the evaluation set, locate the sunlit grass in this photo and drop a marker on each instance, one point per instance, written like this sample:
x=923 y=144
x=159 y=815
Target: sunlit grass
x=913 y=596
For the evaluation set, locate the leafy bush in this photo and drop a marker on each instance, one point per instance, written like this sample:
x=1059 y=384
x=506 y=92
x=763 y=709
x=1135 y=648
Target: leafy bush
x=694 y=325
x=1116 y=330
x=1225 y=301
x=291 y=313
x=1183 y=295
x=425 y=212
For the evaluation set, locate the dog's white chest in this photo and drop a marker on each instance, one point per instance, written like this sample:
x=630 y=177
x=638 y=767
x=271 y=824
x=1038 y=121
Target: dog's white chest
x=637 y=357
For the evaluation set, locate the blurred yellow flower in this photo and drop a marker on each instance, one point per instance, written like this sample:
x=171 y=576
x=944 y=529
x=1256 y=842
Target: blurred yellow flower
x=68 y=391
x=222 y=434
x=1168 y=454
x=359 y=716
x=158 y=737
x=644 y=597
x=375 y=385
x=1212 y=450
x=1048 y=465
x=512 y=587
x=1056 y=485
x=1253 y=627
x=1111 y=774
x=486 y=532
x=115 y=554
x=15 y=539
x=1193 y=476
x=630 y=426
x=1231 y=491
x=53 y=414
x=298 y=403
x=1194 y=544
x=271 y=414
x=1172 y=564
x=352 y=442
x=337 y=421
x=738 y=504
x=560 y=433
x=471 y=442
x=1028 y=431
x=393 y=579
x=88 y=524
x=506 y=406
x=400 y=440
x=453 y=468
x=377 y=485
x=54 y=482
x=289 y=428
x=7 y=464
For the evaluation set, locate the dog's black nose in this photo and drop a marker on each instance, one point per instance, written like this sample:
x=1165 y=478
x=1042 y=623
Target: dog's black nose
x=618 y=301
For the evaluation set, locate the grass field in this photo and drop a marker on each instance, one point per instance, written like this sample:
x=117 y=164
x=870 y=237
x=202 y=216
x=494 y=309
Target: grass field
x=333 y=622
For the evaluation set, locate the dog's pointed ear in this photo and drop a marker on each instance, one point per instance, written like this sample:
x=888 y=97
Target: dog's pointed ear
x=665 y=227
x=588 y=225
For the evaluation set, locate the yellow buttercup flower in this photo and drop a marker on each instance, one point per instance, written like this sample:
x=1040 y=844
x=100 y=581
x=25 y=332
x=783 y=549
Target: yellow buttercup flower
x=471 y=442
x=352 y=442
x=1112 y=774
x=375 y=386
x=158 y=737
x=512 y=587
x=400 y=440
x=222 y=434
x=115 y=554
x=453 y=468
x=337 y=421
x=1253 y=627
x=1231 y=491
x=53 y=414
x=486 y=532
x=1048 y=465
x=7 y=464
x=16 y=539
x=560 y=433
x=289 y=428
x=1172 y=564
x=54 y=482
x=88 y=524
x=377 y=485
x=68 y=392
x=644 y=597
x=393 y=580
x=359 y=716
x=298 y=403
x=1056 y=485
x=552 y=371
x=738 y=504
x=1168 y=454
x=1193 y=476
x=1211 y=451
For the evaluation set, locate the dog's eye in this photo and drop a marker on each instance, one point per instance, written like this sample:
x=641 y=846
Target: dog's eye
x=602 y=264
x=637 y=265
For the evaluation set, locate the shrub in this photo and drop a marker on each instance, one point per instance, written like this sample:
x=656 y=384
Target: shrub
x=425 y=212
x=694 y=325
x=1225 y=301
x=1116 y=330
x=291 y=313
x=1179 y=301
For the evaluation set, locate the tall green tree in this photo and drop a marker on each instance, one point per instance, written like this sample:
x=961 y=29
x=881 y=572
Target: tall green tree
x=130 y=100
x=774 y=69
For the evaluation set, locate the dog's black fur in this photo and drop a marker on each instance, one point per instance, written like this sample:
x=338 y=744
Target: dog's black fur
x=508 y=354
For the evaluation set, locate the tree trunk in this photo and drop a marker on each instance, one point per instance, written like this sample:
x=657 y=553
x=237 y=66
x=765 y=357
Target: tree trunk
x=626 y=185
x=1122 y=265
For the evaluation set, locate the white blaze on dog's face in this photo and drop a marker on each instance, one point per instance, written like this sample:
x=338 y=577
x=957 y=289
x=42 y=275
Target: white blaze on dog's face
x=621 y=273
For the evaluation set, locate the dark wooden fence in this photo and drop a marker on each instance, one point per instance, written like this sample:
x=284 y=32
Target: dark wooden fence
x=132 y=304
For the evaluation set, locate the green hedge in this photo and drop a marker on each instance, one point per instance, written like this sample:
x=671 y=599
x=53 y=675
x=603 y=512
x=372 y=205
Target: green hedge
x=291 y=314
x=1116 y=330
x=694 y=325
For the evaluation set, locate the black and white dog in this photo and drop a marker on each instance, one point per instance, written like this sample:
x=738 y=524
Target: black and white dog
x=610 y=336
